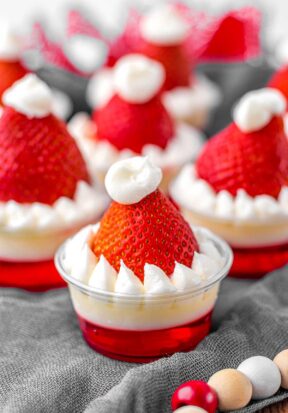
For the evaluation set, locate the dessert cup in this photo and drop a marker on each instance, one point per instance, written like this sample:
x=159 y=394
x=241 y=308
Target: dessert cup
x=46 y=192
x=142 y=328
x=238 y=186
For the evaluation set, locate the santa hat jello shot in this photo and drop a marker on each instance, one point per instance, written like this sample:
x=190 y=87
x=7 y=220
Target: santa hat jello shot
x=142 y=274
x=188 y=97
x=135 y=121
x=45 y=189
x=11 y=68
x=238 y=186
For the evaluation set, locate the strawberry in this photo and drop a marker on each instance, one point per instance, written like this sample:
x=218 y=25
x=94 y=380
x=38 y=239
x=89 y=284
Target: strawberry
x=280 y=81
x=131 y=126
x=255 y=161
x=175 y=61
x=40 y=161
x=150 y=231
x=9 y=73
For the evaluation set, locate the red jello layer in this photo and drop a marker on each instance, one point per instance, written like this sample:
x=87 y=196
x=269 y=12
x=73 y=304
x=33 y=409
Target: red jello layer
x=256 y=262
x=145 y=346
x=32 y=276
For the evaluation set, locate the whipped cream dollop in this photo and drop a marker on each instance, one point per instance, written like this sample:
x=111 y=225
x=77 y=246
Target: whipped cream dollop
x=256 y=109
x=85 y=52
x=87 y=204
x=100 y=88
x=101 y=275
x=130 y=180
x=137 y=79
x=10 y=43
x=197 y=195
x=164 y=25
x=100 y=155
x=30 y=96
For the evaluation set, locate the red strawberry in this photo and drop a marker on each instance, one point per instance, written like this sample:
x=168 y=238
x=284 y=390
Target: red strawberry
x=280 y=81
x=175 y=61
x=150 y=231
x=256 y=161
x=9 y=73
x=40 y=161
x=131 y=126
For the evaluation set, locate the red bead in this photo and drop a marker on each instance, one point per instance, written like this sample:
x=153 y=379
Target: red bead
x=195 y=393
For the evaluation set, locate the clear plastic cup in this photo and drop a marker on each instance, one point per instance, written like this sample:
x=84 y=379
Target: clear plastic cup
x=146 y=327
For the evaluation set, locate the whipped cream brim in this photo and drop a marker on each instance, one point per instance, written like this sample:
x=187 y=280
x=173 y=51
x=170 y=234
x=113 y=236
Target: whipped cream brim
x=222 y=265
x=197 y=195
x=33 y=232
x=242 y=221
x=88 y=202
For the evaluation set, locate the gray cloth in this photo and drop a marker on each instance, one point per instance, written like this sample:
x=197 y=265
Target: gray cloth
x=47 y=367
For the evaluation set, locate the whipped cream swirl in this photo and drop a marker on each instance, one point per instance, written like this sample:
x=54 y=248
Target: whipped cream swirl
x=30 y=96
x=256 y=109
x=196 y=194
x=130 y=180
x=164 y=26
x=80 y=262
x=137 y=79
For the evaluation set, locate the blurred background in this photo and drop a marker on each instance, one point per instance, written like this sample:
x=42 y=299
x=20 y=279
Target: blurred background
x=233 y=79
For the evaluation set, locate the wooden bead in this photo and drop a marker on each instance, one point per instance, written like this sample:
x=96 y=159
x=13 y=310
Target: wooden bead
x=281 y=360
x=233 y=389
x=263 y=374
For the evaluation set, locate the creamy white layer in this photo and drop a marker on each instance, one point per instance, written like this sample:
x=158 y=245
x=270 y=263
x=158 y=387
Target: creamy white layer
x=156 y=303
x=196 y=195
x=100 y=155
